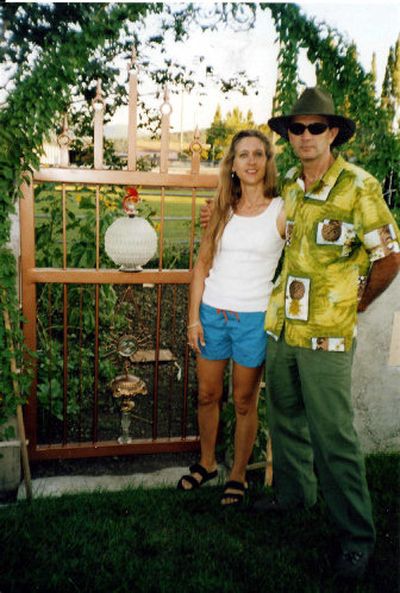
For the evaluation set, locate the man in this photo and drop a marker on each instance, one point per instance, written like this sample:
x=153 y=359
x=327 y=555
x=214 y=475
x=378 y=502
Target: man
x=342 y=251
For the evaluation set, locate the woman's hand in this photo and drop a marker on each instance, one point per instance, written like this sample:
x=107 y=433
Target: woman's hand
x=205 y=213
x=195 y=336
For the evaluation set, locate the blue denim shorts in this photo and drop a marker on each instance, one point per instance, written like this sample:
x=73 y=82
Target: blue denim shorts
x=228 y=334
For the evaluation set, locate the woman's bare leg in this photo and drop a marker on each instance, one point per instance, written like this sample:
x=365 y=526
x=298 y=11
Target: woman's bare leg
x=246 y=382
x=210 y=375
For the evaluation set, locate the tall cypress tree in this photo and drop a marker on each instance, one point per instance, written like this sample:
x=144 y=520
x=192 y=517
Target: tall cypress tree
x=373 y=69
x=396 y=83
x=387 y=99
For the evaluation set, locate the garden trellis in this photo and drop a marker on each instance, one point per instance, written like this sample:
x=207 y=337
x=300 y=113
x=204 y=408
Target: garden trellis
x=75 y=315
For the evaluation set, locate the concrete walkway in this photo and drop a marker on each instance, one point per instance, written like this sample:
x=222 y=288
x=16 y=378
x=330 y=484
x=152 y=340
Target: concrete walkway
x=59 y=485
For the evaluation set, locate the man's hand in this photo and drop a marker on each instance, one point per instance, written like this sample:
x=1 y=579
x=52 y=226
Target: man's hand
x=205 y=212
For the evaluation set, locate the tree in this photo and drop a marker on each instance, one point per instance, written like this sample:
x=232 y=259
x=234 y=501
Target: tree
x=221 y=131
x=396 y=84
x=390 y=102
x=387 y=98
x=216 y=136
x=373 y=69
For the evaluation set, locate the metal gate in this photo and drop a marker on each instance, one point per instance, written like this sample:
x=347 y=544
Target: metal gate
x=75 y=314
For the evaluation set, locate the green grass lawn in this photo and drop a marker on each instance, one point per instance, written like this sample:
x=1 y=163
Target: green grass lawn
x=80 y=202
x=164 y=540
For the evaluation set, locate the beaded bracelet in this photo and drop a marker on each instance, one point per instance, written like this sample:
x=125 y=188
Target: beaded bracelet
x=193 y=324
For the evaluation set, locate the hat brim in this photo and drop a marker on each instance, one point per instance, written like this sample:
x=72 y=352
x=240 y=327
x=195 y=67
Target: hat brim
x=347 y=127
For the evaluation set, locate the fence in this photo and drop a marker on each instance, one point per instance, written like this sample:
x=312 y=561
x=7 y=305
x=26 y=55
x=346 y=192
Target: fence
x=78 y=307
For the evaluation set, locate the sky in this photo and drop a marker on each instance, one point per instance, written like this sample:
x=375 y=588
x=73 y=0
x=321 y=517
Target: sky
x=374 y=26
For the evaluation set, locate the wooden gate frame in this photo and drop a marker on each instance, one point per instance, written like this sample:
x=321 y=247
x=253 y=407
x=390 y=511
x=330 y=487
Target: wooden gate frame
x=32 y=275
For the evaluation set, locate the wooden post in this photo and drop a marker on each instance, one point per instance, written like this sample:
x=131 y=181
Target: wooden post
x=29 y=308
x=64 y=141
x=132 y=113
x=268 y=468
x=98 y=106
x=17 y=394
x=196 y=148
x=165 y=113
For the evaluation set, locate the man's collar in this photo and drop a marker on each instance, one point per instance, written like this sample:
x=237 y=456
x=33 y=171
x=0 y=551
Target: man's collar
x=334 y=171
x=329 y=178
x=321 y=189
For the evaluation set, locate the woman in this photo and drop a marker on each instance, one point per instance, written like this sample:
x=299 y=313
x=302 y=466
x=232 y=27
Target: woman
x=229 y=293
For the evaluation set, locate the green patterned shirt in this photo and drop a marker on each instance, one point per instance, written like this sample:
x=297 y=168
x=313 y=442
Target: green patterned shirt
x=333 y=233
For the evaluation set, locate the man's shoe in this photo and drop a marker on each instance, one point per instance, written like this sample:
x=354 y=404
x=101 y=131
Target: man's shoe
x=351 y=565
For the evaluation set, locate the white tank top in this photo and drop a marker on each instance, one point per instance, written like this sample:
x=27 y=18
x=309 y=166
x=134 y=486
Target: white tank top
x=240 y=278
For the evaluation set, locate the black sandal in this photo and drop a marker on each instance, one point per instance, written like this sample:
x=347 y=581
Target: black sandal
x=196 y=468
x=236 y=498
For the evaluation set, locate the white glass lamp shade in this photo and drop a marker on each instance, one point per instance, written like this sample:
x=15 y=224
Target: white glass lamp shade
x=130 y=243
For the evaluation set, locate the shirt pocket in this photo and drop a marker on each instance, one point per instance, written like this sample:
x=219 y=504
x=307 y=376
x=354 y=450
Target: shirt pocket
x=331 y=232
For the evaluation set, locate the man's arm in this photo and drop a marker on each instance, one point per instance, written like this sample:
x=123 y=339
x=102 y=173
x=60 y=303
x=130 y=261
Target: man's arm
x=382 y=273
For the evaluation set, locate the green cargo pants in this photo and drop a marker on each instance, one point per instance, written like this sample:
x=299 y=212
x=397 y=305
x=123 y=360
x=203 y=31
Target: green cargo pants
x=310 y=419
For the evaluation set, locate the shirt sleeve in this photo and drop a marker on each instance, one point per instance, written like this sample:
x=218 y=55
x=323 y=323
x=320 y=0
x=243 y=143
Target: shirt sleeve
x=375 y=225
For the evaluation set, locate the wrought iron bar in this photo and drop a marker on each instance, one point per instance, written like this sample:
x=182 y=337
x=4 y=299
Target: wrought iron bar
x=157 y=363
x=65 y=364
x=64 y=224
x=80 y=395
x=95 y=414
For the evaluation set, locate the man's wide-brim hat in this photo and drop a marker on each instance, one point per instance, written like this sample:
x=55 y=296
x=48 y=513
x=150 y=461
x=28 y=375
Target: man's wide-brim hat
x=315 y=101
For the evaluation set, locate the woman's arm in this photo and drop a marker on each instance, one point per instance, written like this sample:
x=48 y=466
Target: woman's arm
x=200 y=272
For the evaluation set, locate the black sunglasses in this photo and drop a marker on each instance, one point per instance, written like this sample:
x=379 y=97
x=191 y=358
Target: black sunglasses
x=315 y=129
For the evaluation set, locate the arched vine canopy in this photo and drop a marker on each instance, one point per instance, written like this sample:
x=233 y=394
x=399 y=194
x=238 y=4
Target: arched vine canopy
x=53 y=53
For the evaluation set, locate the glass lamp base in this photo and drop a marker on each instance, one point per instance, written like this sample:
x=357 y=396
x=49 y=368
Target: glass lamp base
x=123 y=440
x=125 y=425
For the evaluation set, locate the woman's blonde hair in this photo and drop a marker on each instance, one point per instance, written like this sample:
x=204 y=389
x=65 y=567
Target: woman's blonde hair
x=229 y=190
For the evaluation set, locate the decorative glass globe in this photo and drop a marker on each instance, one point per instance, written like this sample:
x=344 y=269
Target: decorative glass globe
x=130 y=241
